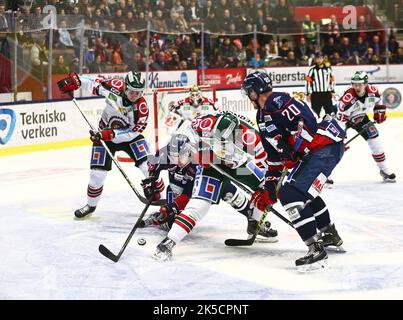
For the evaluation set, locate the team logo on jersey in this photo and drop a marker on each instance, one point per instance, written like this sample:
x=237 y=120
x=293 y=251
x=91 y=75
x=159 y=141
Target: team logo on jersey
x=143 y=108
x=267 y=118
x=208 y=188
x=249 y=137
x=392 y=98
x=7 y=125
x=140 y=149
x=98 y=156
x=317 y=185
x=333 y=130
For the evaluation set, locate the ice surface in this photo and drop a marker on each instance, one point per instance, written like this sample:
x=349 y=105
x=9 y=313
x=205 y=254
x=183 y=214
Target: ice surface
x=46 y=254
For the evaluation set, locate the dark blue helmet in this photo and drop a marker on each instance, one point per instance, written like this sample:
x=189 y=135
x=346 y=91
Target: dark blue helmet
x=256 y=83
x=179 y=150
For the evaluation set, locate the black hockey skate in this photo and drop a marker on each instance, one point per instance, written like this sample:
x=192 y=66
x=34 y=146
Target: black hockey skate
x=164 y=250
x=265 y=234
x=387 y=177
x=331 y=239
x=315 y=259
x=84 y=211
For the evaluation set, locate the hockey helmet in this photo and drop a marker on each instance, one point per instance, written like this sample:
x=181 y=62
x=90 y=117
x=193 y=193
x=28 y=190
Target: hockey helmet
x=360 y=77
x=195 y=96
x=134 y=86
x=179 y=150
x=226 y=126
x=256 y=83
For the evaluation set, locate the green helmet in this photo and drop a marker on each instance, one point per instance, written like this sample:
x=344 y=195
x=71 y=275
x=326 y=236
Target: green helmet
x=134 y=82
x=225 y=126
x=360 y=77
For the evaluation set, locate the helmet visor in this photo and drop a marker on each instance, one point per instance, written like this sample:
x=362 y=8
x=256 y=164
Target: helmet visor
x=249 y=93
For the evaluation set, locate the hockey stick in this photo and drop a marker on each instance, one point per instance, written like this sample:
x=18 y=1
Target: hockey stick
x=141 y=198
x=115 y=258
x=251 y=240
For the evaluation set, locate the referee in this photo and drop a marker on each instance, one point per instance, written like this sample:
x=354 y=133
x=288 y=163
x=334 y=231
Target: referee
x=320 y=86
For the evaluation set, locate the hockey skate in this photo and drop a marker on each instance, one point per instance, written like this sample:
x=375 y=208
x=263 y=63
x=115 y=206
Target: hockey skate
x=315 y=259
x=84 y=211
x=164 y=250
x=391 y=177
x=149 y=221
x=265 y=234
x=331 y=239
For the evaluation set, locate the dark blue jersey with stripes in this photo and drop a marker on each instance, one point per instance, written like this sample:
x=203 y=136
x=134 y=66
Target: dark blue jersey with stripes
x=293 y=122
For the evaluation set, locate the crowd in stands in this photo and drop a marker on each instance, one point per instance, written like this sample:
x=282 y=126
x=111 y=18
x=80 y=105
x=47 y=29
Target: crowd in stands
x=115 y=37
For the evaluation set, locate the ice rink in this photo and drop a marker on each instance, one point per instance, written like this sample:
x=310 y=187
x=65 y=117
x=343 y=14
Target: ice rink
x=47 y=254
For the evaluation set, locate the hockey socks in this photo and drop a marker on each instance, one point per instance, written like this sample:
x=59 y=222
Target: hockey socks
x=95 y=186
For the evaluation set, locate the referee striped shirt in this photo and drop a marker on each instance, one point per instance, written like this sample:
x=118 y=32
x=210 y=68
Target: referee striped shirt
x=319 y=79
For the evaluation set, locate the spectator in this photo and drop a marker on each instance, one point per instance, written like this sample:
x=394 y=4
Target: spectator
x=160 y=63
x=174 y=63
x=256 y=61
x=208 y=9
x=139 y=62
x=193 y=61
x=129 y=50
x=60 y=66
x=303 y=50
x=130 y=21
x=370 y=57
x=345 y=49
x=98 y=16
x=379 y=49
x=39 y=58
x=284 y=48
x=361 y=47
x=98 y=66
x=117 y=56
x=227 y=51
x=236 y=9
x=260 y=20
x=225 y=21
x=165 y=12
x=177 y=8
x=158 y=23
x=251 y=9
x=271 y=50
x=333 y=28
x=220 y=8
x=183 y=65
x=291 y=59
x=186 y=48
x=309 y=29
x=398 y=57
x=283 y=14
x=3 y=19
x=192 y=14
x=329 y=48
x=393 y=45
x=64 y=35
x=336 y=60
x=269 y=13
x=211 y=23
x=362 y=27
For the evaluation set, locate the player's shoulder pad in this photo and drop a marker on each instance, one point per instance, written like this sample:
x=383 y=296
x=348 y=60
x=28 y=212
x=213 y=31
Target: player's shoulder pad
x=114 y=85
x=372 y=91
x=276 y=101
x=348 y=98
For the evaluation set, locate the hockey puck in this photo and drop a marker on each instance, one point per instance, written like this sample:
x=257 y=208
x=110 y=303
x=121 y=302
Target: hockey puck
x=141 y=241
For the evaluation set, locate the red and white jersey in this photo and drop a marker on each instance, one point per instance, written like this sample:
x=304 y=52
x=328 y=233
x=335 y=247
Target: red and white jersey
x=351 y=106
x=248 y=144
x=126 y=118
x=187 y=111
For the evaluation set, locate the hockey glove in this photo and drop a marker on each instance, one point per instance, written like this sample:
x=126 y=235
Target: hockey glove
x=70 y=83
x=267 y=196
x=287 y=154
x=380 y=113
x=167 y=214
x=106 y=135
x=150 y=188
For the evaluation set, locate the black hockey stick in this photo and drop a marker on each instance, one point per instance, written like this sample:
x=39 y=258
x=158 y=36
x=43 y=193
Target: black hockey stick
x=115 y=258
x=251 y=240
x=141 y=198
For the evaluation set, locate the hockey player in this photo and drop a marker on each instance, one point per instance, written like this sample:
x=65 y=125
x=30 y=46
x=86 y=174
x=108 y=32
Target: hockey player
x=292 y=138
x=234 y=145
x=187 y=109
x=176 y=157
x=122 y=122
x=352 y=111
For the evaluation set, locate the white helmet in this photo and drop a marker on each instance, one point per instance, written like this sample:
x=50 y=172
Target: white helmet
x=195 y=96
